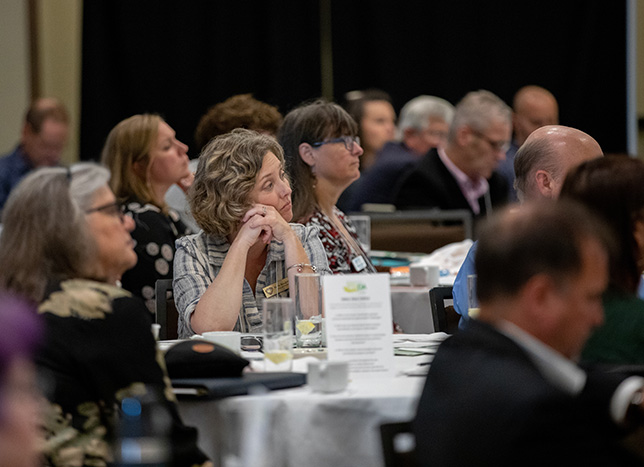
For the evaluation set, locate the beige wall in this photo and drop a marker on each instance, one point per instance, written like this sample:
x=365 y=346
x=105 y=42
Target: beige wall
x=60 y=60
x=14 y=71
x=59 y=35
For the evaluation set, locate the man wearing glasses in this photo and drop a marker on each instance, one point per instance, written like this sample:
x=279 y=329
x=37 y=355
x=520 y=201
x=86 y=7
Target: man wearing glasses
x=462 y=176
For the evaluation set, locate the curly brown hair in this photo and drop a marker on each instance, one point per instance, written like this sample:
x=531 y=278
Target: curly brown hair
x=240 y=111
x=226 y=174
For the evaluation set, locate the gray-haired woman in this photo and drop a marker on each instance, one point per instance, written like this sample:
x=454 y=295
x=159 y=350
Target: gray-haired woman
x=65 y=245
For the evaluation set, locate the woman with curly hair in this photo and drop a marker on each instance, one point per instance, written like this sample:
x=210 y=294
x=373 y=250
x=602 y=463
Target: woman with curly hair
x=247 y=251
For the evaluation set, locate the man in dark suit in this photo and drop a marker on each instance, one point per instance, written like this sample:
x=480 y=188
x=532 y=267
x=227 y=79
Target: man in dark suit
x=505 y=391
x=423 y=124
x=462 y=175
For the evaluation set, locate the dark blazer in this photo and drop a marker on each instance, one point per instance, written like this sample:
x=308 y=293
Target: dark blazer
x=431 y=185
x=485 y=403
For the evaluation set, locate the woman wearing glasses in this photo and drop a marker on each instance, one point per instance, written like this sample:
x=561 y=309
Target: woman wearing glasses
x=146 y=159
x=64 y=246
x=247 y=251
x=322 y=155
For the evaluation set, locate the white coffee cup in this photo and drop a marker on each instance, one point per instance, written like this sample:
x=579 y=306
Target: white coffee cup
x=424 y=275
x=229 y=339
x=328 y=376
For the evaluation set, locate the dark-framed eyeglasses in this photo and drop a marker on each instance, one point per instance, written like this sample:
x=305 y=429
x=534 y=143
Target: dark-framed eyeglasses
x=112 y=209
x=347 y=140
x=502 y=146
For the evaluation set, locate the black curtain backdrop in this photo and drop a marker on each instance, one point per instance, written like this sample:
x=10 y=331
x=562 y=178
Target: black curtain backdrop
x=178 y=58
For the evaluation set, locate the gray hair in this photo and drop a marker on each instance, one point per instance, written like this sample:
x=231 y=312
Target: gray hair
x=416 y=113
x=45 y=235
x=477 y=110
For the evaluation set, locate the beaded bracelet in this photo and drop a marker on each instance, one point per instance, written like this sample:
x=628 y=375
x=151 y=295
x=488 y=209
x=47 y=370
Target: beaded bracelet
x=299 y=267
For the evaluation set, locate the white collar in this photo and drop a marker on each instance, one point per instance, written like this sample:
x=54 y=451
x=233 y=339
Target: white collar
x=557 y=369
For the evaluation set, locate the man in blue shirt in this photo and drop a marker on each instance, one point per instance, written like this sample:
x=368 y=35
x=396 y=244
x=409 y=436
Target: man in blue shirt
x=541 y=165
x=44 y=135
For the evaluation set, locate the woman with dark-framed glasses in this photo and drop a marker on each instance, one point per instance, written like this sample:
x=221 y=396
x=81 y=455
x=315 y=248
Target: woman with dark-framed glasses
x=64 y=246
x=322 y=155
x=146 y=159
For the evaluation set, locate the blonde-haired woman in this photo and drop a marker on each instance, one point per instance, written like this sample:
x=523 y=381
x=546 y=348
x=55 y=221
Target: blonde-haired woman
x=247 y=251
x=146 y=159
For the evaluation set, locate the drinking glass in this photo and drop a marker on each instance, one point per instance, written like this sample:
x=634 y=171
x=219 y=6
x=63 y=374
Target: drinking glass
x=308 y=310
x=362 y=224
x=278 y=334
x=472 y=298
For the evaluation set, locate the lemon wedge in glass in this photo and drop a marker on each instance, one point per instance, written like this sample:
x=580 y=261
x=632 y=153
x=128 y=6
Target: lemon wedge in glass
x=278 y=356
x=305 y=326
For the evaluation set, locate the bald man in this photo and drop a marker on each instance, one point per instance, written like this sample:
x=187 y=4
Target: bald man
x=541 y=165
x=532 y=107
x=44 y=135
x=547 y=155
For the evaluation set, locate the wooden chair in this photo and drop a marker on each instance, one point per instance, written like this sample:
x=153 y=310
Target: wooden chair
x=398 y=444
x=166 y=311
x=444 y=316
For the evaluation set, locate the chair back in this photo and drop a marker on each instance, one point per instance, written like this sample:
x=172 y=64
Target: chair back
x=398 y=444
x=166 y=311
x=418 y=231
x=444 y=316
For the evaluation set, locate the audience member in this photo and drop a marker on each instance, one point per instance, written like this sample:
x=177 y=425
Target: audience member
x=532 y=107
x=508 y=383
x=64 y=245
x=423 y=124
x=20 y=415
x=612 y=188
x=247 y=250
x=322 y=155
x=462 y=176
x=541 y=163
x=44 y=135
x=239 y=111
x=374 y=113
x=146 y=159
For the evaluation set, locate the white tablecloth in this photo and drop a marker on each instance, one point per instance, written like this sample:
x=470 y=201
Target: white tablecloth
x=298 y=427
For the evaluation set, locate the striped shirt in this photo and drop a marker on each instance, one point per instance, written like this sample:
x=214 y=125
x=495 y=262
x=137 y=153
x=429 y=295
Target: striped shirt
x=199 y=259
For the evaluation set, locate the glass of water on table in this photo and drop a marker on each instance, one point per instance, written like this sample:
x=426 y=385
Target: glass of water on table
x=308 y=310
x=278 y=334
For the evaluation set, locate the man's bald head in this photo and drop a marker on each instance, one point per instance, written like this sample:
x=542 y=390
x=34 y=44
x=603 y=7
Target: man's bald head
x=548 y=154
x=533 y=107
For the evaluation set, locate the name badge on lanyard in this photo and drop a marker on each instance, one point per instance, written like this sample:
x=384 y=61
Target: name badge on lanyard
x=358 y=263
x=274 y=289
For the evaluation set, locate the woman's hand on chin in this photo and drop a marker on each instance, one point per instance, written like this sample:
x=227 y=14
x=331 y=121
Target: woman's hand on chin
x=269 y=219
x=251 y=231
